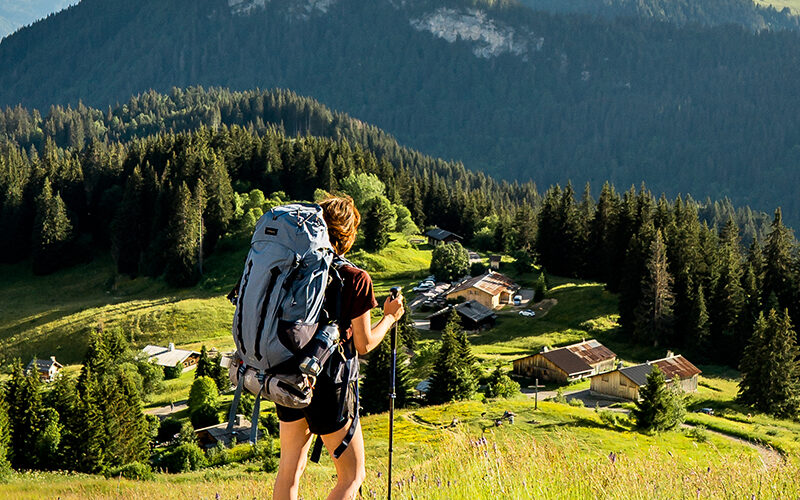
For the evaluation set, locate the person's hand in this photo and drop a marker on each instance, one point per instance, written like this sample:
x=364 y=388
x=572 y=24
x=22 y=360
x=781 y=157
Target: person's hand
x=394 y=307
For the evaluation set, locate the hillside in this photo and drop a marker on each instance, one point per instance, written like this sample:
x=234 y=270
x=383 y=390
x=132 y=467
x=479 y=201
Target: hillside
x=508 y=91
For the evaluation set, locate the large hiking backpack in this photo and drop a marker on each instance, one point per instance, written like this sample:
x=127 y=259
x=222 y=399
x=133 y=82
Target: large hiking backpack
x=281 y=312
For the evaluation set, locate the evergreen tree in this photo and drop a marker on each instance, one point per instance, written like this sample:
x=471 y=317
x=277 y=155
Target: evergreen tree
x=5 y=434
x=52 y=232
x=770 y=371
x=779 y=264
x=468 y=359
x=500 y=385
x=540 y=288
x=128 y=229
x=378 y=222
x=407 y=333
x=727 y=297
x=660 y=407
x=183 y=236
x=654 y=317
x=452 y=378
x=88 y=427
x=601 y=235
x=62 y=397
x=24 y=399
x=699 y=335
x=204 y=368
x=377 y=379
x=217 y=203
x=46 y=443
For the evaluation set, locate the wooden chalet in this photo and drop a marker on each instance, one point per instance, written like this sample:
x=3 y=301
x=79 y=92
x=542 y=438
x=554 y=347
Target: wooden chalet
x=624 y=383
x=473 y=314
x=170 y=356
x=491 y=289
x=438 y=236
x=494 y=262
x=568 y=363
x=46 y=368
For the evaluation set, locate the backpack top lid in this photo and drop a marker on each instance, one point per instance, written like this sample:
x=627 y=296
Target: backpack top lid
x=298 y=226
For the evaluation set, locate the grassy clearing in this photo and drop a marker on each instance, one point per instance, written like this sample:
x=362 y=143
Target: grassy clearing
x=564 y=454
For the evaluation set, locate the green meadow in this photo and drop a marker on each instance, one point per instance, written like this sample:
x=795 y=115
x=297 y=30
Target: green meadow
x=555 y=451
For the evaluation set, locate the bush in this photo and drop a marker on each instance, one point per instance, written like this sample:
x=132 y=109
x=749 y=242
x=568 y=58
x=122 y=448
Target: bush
x=576 y=402
x=698 y=433
x=661 y=407
x=136 y=471
x=608 y=417
x=271 y=424
x=168 y=429
x=205 y=416
x=183 y=458
x=449 y=261
x=477 y=268
x=172 y=372
x=500 y=385
x=218 y=455
x=204 y=392
x=559 y=397
x=270 y=464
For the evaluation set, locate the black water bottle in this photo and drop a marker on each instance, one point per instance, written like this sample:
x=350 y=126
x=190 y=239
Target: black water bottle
x=319 y=349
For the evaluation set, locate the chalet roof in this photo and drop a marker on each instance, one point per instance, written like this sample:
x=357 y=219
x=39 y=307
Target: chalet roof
x=671 y=367
x=471 y=309
x=44 y=365
x=495 y=258
x=591 y=351
x=220 y=433
x=490 y=282
x=568 y=361
x=167 y=356
x=441 y=234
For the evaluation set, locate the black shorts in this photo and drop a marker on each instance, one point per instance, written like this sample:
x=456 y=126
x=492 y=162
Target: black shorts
x=323 y=414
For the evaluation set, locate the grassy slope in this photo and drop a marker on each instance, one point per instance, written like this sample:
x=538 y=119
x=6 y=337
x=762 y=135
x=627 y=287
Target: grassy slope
x=568 y=443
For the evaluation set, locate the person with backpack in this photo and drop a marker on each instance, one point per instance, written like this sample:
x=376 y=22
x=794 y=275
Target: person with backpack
x=333 y=411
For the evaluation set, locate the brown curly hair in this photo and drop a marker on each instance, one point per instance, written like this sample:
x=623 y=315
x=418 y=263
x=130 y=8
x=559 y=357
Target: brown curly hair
x=342 y=218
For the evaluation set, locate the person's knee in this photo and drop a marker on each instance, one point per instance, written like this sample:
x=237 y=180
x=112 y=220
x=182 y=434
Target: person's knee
x=355 y=476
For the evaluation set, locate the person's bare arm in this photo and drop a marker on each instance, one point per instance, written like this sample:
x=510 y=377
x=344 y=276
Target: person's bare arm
x=367 y=337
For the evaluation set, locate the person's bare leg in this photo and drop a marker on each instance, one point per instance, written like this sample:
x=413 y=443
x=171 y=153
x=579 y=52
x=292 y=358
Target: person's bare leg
x=295 y=441
x=350 y=467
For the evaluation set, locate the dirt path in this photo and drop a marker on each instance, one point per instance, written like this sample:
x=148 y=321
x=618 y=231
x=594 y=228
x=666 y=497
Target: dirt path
x=543 y=307
x=163 y=412
x=770 y=457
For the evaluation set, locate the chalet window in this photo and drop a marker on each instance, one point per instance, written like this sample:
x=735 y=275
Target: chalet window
x=605 y=378
x=622 y=383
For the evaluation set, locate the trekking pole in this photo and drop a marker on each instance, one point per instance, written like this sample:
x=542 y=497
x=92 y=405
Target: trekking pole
x=393 y=341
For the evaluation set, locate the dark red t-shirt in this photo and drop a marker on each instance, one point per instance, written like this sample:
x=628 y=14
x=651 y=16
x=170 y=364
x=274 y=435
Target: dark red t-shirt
x=357 y=297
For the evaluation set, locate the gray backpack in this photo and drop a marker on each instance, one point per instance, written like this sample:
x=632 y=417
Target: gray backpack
x=279 y=303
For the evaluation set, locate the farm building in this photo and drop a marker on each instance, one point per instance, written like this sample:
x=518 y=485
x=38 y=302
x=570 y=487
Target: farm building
x=438 y=236
x=494 y=262
x=208 y=437
x=170 y=356
x=625 y=382
x=473 y=314
x=46 y=368
x=491 y=289
x=568 y=363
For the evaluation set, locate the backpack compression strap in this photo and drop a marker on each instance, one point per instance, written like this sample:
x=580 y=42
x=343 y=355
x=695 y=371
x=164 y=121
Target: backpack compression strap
x=317 y=450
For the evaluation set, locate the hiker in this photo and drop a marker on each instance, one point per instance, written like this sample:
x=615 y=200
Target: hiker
x=322 y=416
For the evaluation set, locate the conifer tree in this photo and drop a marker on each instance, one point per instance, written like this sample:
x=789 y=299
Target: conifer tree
x=377 y=379
x=464 y=347
x=88 y=427
x=778 y=263
x=217 y=203
x=377 y=224
x=183 y=240
x=128 y=229
x=5 y=434
x=407 y=333
x=660 y=407
x=62 y=398
x=601 y=235
x=24 y=399
x=699 y=335
x=52 y=232
x=203 y=364
x=728 y=297
x=452 y=378
x=770 y=371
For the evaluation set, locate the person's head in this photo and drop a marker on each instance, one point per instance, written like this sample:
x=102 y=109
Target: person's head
x=342 y=218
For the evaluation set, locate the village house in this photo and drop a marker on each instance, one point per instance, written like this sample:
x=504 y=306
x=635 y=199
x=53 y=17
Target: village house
x=565 y=364
x=208 y=437
x=494 y=262
x=170 y=356
x=625 y=383
x=491 y=289
x=438 y=236
x=47 y=368
x=473 y=314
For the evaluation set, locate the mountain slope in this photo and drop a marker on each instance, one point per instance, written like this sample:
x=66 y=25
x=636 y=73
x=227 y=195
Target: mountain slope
x=509 y=91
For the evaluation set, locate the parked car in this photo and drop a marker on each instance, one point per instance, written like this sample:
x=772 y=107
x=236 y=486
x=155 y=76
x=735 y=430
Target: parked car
x=425 y=285
x=707 y=411
x=517 y=300
x=527 y=312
